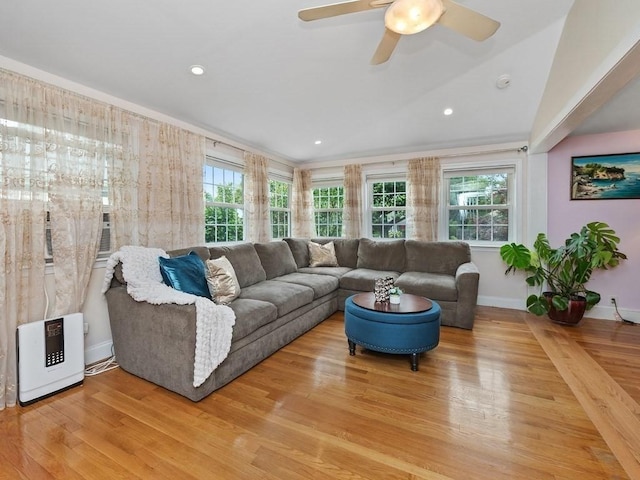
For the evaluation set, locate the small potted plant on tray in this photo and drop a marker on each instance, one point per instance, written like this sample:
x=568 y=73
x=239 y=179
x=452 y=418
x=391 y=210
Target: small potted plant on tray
x=394 y=295
x=565 y=270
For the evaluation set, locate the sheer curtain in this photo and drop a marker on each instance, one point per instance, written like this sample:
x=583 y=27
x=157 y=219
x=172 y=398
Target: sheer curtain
x=423 y=194
x=256 y=198
x=54 y=148
x=76 y=138
x=302 y=224
x=23 y=192
x=123 y=170
x=169 y=189
x=353 y=201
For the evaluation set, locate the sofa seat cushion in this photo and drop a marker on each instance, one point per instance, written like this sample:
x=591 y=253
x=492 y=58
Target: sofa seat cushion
x=364 y=279
x=285 y=296
x=321 y=284
x=436 y=286
x=251 y=315
x=336 y=272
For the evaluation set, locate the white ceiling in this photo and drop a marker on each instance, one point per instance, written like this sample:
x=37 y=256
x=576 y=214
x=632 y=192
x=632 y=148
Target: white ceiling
x=277 y=84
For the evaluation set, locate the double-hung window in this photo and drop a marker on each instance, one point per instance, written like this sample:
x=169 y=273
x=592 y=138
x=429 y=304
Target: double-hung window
x=388 y=204
x=328 y=203
x=223 y=203
x=479 y=204
x=279 y=208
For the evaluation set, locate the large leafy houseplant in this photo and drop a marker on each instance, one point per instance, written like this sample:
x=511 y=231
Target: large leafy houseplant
x=564 y=270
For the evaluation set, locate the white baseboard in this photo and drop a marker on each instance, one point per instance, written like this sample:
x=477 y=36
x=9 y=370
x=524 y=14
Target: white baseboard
x=512 y=303
x=603 y=312
x=97 y=353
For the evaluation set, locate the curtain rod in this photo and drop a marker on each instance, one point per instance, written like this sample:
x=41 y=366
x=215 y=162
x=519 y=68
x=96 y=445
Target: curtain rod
x=219 y=142
x=270 y=159
x=405 y=158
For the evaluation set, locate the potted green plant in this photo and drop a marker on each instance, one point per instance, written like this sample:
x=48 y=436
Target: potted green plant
x=394 y=295
x=564 y=270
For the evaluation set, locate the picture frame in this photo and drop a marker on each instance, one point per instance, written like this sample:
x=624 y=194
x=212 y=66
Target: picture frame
x=605 y=177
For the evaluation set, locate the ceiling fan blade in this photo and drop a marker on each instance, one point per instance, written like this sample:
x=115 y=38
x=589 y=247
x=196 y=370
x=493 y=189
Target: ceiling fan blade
x=335 y=9
x=385 y=47
x=467 y=22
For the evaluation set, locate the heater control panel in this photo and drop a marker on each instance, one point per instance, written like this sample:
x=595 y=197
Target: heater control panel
x=54 y=342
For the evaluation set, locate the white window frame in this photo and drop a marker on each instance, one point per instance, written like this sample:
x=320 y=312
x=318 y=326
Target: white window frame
x=370 y=204
x=332 y=184
x=214 y=162
x=511 y=167
x=286 y=210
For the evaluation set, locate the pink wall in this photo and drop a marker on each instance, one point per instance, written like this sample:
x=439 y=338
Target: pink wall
x=566 y=216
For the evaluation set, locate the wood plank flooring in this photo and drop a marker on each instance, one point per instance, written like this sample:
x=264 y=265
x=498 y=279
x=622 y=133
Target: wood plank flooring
x=516 y=398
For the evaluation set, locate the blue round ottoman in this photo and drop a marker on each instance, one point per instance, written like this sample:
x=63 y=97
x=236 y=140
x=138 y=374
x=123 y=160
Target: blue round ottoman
x=391 y=328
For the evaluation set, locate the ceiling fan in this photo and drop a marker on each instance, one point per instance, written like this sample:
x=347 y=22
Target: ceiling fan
x=405 y=17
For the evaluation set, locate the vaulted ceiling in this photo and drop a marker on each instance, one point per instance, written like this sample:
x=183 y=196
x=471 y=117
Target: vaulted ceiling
x=277 y=84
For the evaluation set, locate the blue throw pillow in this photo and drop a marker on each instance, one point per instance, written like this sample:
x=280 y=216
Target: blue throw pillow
x=185 y=273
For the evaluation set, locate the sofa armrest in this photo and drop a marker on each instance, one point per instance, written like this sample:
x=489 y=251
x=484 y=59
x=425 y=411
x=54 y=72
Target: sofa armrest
x=155 y=342
x=467 y=280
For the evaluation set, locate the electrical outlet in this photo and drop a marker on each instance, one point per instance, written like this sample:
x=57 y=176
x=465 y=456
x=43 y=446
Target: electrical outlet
x=86 y=328
x=613 y=300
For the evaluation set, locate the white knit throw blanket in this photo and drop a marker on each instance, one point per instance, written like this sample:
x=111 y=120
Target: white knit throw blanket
x=214 y=323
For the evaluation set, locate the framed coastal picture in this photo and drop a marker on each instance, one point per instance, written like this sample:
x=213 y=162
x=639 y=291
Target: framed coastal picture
x=605 y=177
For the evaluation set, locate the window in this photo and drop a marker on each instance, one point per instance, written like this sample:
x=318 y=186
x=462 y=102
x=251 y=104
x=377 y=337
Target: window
x=104 y=249
x=223 y=204
x=479 y=205
x=105 y=239
x=279 y=208
x=388 y=202
x=328 y=203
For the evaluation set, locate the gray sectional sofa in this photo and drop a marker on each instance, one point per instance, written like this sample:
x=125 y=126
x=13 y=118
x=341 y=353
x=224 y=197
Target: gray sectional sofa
x=281 y=298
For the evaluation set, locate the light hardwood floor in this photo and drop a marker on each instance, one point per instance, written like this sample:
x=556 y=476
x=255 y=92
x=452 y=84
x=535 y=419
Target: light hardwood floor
x=516 y=398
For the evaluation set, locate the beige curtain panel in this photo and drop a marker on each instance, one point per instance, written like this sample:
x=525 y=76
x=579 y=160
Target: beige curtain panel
x=302 y=221
x=170 y=188
x=256 y=199
x=353 y=214
x=423 y=194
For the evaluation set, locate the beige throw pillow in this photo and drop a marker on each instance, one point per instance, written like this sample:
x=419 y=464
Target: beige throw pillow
x=222 y=281
x=322 y=255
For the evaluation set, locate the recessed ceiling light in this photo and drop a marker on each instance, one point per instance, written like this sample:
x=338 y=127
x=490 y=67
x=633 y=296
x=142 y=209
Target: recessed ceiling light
x=318 y=142
x=197 y=69
x=503 y=81
x=448 y=111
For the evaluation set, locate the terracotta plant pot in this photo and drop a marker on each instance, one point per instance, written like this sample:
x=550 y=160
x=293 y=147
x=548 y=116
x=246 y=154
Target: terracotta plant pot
x=570 y=316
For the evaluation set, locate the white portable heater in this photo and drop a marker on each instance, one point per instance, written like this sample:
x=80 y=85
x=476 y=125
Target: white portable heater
x=50 y=357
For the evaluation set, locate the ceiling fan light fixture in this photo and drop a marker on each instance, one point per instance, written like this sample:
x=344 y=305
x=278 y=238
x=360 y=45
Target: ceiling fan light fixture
x=412 y=16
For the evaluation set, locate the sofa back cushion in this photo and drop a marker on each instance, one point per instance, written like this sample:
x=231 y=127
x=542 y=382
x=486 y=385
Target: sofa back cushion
x=436 y=257
x=203 y=252
x=245 y=261
x=388 y=256
x=346 y=250
x=276 y=258
x=300 y=249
